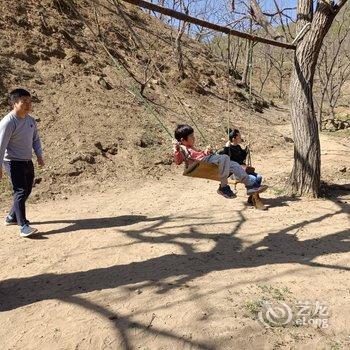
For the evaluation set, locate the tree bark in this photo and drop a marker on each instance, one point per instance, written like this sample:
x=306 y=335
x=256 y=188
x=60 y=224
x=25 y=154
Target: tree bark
x=247 y=63
x=261 y=19
x=245 y=74
x=178 y=45
x=305 y=176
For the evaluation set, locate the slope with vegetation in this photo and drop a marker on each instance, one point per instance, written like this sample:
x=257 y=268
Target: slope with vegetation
x=93 y=127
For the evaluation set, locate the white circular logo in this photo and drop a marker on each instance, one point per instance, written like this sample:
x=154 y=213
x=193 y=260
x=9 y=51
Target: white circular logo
x=275 y=315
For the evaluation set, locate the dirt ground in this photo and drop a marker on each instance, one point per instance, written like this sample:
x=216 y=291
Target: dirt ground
x=132 y=255
x=170 y=264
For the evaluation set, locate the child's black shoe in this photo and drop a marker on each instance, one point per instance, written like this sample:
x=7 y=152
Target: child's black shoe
x=226 y=192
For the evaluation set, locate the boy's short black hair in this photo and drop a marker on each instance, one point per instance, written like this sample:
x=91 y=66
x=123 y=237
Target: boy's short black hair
x=182 y=131
x=232 y=133
x=16 y=94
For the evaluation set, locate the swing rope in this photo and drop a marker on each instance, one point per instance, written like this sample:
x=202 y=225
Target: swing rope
x=228 y=88
x=125 y=74
x=250 y=67
x=135 y=89
x=169 y=88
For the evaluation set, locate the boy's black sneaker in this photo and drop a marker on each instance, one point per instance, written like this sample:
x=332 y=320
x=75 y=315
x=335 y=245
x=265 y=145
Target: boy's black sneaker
x=226 y=192
x=10 y=221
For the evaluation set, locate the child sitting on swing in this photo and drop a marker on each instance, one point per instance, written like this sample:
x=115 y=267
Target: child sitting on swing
x=239 y=155
x=184 y=151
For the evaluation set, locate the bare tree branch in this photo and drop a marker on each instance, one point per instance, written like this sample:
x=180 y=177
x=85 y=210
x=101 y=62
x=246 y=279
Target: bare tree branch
x=181 y=16
x=259 y=18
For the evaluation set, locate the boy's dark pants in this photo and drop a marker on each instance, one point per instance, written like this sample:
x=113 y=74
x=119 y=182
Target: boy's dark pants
x=22 y=178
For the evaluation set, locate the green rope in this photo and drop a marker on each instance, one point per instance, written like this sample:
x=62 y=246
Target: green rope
x=170 y=89
x=228 y=88
x=151 y=110
x=251 y=46
x=126 y=74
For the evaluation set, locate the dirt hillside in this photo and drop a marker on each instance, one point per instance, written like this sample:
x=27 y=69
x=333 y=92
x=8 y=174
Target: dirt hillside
x=93 y=128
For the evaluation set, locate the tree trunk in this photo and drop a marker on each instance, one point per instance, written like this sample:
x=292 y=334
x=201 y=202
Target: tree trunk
x=320 y=112
x=306 y=174
x=246 y=64
x=178 y=44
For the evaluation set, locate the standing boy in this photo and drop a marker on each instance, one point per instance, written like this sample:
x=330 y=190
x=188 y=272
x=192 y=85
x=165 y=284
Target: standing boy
x=18 y=136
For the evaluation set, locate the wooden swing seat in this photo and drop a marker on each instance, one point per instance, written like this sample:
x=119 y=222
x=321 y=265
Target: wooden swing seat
x=204 y=170
x=210 y=171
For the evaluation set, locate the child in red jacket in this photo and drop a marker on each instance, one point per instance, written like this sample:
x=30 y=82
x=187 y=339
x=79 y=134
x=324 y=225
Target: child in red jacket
x=184 y=150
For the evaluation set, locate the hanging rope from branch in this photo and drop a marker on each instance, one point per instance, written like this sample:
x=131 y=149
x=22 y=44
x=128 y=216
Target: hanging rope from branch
x=124 y=72
x=250 y=69
x=228 y=88
x=169 y=88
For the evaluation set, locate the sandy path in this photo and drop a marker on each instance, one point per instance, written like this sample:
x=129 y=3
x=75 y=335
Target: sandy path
x=171 y=264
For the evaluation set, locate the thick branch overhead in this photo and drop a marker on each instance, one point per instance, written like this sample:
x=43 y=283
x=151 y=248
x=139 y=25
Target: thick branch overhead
x=183 y=17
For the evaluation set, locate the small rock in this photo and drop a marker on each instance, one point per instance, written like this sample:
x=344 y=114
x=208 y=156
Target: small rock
x=113 y=150
x=75 y=173
x=164 y=162
x=238 y=95
x=98 y=145
x=145 y=141
x=73 y=56
x=88 y=158
x=38 y=82
x=76 y=59
x=58 y=77
x=288 y=139
x=102 y=81
x=343 y=169
x=93 y=153
x=142 y=144
x=341 y=125
x=210 y=83
x=37 y=180
x=200 y=90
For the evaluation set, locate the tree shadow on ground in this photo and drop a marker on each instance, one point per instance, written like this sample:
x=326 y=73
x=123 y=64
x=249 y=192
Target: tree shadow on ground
x=335 y=191
x=282 y=201
x=95 y=223
x=123 y=325
x=280 y=247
